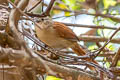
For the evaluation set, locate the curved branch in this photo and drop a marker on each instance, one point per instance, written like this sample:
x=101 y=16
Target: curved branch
x=63 y=72
x=13 y=21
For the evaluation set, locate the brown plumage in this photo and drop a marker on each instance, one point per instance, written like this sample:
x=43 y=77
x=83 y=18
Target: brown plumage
x=68 y=34
x=59 y=36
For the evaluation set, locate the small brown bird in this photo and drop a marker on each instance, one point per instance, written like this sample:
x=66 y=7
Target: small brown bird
x=59 y=36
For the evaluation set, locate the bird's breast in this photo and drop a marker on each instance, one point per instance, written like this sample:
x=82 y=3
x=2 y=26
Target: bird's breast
x=52 y=39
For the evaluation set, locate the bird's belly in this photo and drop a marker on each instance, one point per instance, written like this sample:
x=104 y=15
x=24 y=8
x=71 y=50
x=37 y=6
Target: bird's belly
x=53 y=40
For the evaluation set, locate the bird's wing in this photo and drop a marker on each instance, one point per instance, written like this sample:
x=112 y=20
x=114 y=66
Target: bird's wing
x=65 y=31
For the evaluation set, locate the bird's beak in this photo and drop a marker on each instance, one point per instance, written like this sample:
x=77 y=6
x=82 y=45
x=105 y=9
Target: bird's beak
x=41 y=26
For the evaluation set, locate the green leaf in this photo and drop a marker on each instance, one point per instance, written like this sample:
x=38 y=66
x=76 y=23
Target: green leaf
x=99 y=32
x=63 y=6
x=108 y=3
x=67 y=13
x=91 y=46
x=52 y=78
x=110 y=46
x=71 y=4
x=13 y=1
x=107 y=64
x=81 y=0
x=118 y=64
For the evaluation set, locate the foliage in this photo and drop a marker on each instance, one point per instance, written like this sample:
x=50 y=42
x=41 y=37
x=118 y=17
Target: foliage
x=52 y=78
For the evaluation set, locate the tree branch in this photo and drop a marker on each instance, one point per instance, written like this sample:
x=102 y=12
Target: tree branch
x=77 y=12
x=111 y=37
x=62 y=71
x=47 y=11
x=89 y=26
x=34 y=6
x=13 y=21
x=87 y=38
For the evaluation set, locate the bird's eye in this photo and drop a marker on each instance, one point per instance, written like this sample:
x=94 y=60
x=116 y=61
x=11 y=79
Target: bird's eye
x=42 y=19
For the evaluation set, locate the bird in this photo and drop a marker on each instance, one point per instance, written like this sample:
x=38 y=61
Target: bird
x=59 y=36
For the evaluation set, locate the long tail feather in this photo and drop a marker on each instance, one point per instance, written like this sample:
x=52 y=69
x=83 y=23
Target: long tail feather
x=80 y=52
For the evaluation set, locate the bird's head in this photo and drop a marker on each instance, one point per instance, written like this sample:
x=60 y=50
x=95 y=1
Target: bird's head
x=45 y=22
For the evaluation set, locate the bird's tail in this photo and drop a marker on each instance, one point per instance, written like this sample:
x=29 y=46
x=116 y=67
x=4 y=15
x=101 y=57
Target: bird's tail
x=80 y=52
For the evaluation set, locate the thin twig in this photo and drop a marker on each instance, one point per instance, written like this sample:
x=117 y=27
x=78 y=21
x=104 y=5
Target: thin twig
x=47 y=11
x=25 y=14
x=96 y=54
x=89 y=26
x=84 y=12
x=77 y=12
x=36 y=41
x=108 y=73
x=76 y=25
x=21 y=41
x=35 y=5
